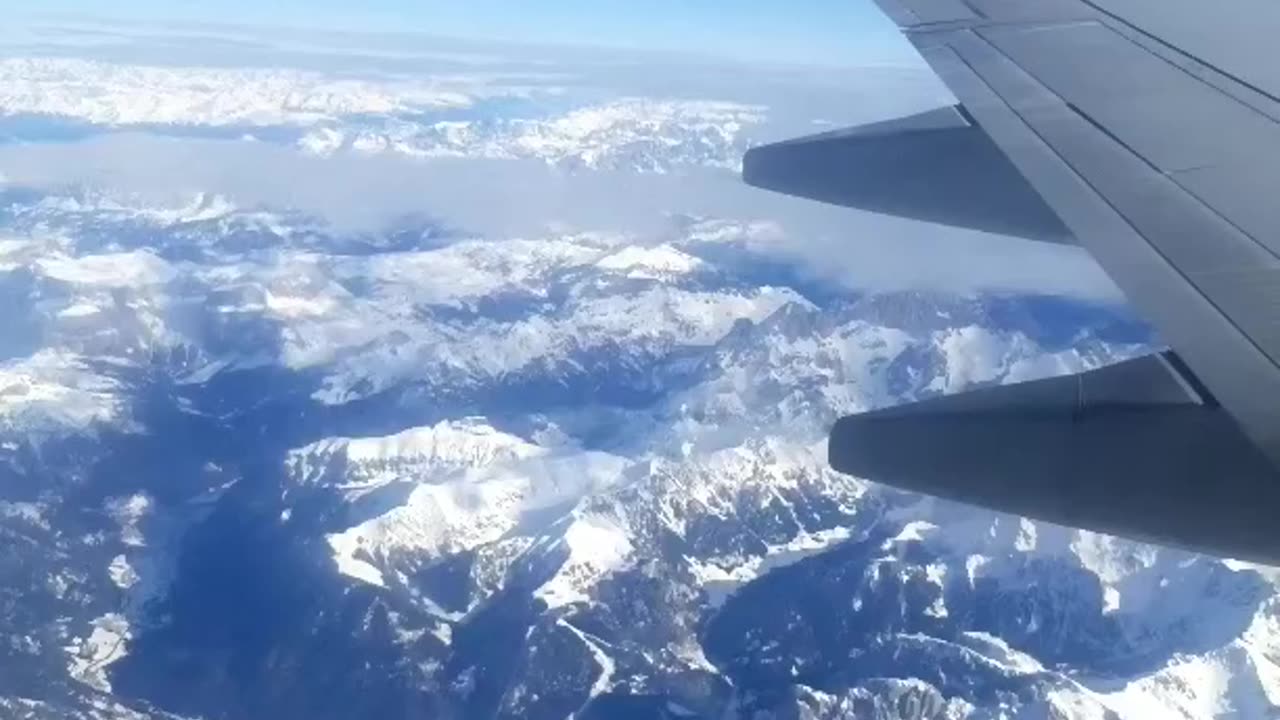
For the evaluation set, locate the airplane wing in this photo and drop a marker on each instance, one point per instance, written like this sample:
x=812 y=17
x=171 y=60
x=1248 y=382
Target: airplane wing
x=1147 y=131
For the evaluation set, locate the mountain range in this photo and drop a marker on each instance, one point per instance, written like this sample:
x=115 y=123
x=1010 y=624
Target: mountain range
x=580 y=475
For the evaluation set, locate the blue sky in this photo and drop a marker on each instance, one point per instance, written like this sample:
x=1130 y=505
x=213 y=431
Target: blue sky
x=828 y=32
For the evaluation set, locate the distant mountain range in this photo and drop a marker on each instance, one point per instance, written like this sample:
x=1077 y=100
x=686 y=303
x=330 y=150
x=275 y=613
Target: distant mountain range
x=499 y=116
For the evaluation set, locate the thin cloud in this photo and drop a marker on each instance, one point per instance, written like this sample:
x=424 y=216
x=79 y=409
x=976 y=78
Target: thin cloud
x=504 y=198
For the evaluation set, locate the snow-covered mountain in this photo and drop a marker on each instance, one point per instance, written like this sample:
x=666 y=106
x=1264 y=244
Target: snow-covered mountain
x=581 y=475
x=109 y=93
x=479 y=115
x=637 y=134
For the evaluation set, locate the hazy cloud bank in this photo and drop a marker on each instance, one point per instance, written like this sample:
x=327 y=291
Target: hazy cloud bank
x=527 y=198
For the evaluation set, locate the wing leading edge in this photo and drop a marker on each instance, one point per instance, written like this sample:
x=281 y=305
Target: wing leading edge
x=1128 y=132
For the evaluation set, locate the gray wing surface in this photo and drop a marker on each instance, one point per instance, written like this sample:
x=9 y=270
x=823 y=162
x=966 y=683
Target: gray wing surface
x=1147 y=131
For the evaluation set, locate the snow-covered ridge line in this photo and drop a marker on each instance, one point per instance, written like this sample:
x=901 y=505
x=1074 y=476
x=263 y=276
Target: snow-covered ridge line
x=636 y=134
x=421 y=116
x=373 y=461
x=460 y=507
x=56 y=391
x=650 y=262
x=104 y=205
x=105 y=93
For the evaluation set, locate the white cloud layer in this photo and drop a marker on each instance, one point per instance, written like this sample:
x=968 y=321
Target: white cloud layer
x=505 y=198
